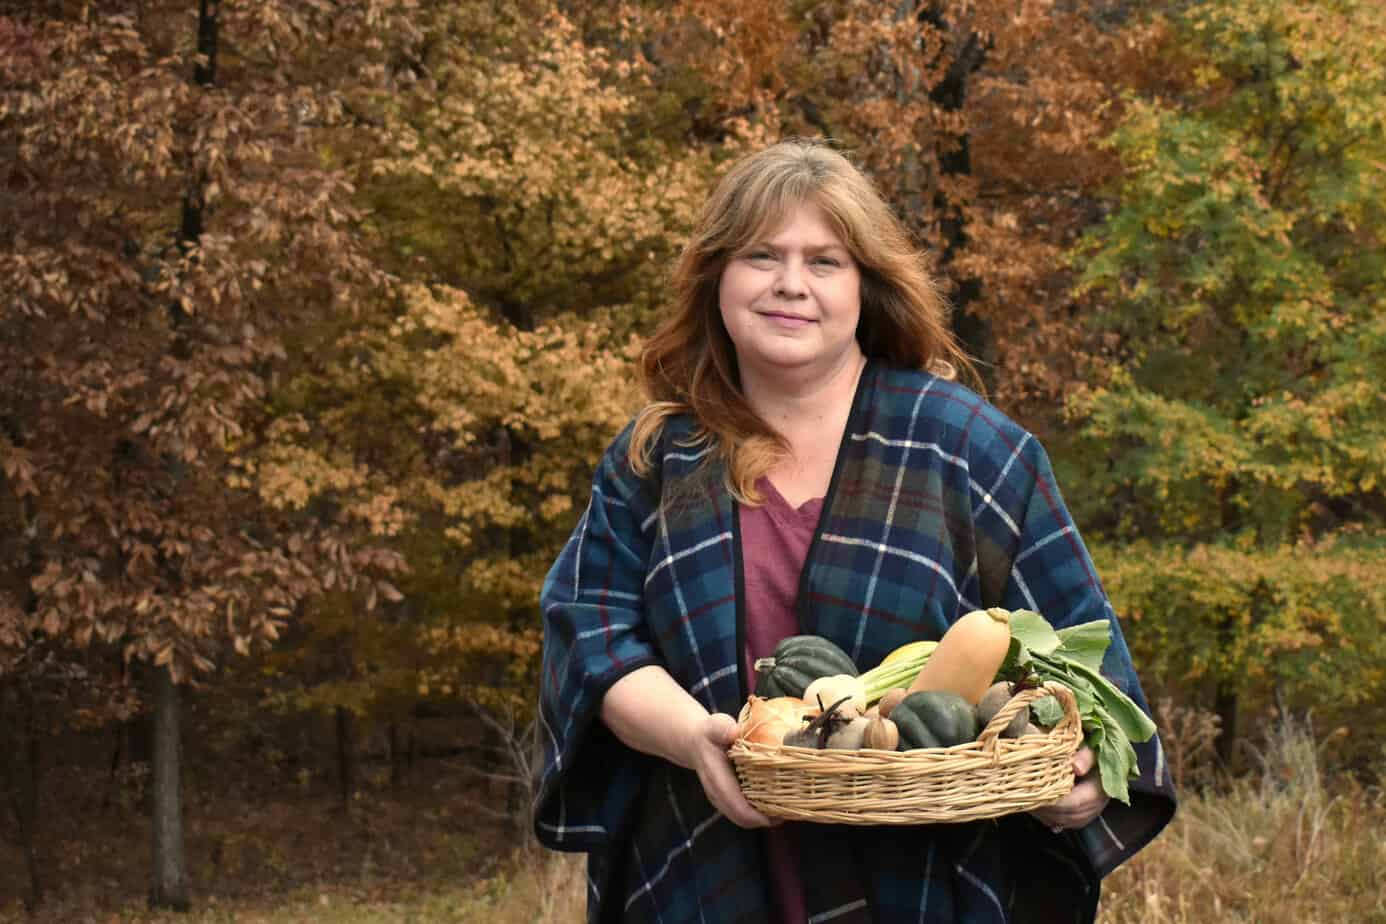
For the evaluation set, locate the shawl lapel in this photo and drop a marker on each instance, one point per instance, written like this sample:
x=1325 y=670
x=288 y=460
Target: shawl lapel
x=880 y=571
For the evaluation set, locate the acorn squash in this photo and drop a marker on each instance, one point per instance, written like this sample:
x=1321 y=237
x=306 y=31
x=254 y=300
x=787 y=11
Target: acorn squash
x=934 y=719
x=798 y=661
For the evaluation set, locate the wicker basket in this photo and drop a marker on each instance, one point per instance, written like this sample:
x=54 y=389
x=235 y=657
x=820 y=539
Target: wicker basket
x=986 y=778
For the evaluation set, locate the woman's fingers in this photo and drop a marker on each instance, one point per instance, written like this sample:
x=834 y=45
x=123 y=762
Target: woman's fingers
x=720 y=729
x=718 y=777
x=1083 y=803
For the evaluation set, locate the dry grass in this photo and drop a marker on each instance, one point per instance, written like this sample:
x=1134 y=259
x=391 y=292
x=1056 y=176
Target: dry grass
x=1279 y=846
x=536 y=888
x=258 y=851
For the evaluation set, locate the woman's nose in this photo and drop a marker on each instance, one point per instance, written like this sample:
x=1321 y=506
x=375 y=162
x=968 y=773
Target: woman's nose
x=790 y=281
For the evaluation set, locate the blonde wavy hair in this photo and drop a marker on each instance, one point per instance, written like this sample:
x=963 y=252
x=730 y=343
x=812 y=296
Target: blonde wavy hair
x=688 y=366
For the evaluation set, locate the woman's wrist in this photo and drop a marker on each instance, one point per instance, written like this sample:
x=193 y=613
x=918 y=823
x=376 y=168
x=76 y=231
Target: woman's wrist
x=650 y=712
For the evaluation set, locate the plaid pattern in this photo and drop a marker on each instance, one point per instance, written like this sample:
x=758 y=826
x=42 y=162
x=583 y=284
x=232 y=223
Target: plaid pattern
x=939 y=505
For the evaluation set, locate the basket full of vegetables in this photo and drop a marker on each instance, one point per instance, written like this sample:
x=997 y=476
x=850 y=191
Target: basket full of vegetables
x=982 y=723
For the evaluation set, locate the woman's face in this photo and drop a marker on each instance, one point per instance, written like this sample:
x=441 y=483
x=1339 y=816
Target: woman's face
x=791 y=300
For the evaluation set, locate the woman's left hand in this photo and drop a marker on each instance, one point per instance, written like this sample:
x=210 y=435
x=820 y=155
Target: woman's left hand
x=1083 y=803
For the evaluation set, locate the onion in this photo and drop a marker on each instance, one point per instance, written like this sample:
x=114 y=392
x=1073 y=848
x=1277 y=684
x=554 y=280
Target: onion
x=765 y=721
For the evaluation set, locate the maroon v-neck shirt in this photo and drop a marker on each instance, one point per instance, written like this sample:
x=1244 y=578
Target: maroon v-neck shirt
x=775 y=539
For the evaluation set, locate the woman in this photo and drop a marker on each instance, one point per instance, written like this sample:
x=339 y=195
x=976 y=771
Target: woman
x=805 y=465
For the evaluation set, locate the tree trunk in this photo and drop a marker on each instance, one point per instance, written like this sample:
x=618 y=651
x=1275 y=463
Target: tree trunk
x=1226 y=707
x=19 y=765
x=950 y=94
x=113 y=775
x=205 y=76
x=396 y=756
x=31 y=799
x=170 y=887
x=346 y=754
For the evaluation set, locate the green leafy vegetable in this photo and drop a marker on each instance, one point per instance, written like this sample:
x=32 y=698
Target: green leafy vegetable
x=1034 y=632
x=1047 y=711
x=1086 y=642
x=1073 y=657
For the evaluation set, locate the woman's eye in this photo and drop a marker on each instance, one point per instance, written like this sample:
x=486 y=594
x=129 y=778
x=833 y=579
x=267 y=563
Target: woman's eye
x=759 y=255
x=827 y=261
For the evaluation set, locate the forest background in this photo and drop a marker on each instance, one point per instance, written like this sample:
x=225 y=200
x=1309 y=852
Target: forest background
x=317 y=314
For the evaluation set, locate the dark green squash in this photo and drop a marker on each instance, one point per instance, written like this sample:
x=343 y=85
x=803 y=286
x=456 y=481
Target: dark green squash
x=798 y=661
x=934 y=719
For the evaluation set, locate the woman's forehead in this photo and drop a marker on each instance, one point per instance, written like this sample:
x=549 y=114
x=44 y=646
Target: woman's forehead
x=806 y=215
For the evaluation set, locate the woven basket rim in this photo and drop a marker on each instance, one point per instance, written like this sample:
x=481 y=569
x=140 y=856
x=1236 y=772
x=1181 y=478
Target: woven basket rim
x=952 y=781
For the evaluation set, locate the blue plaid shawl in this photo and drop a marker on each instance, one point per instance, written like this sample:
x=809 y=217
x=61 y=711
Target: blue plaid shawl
x=939 y=504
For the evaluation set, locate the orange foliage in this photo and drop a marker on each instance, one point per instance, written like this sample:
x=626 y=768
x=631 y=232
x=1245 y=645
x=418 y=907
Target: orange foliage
x=166 y=233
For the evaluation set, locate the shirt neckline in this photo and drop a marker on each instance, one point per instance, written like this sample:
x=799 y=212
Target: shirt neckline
x=809 y=510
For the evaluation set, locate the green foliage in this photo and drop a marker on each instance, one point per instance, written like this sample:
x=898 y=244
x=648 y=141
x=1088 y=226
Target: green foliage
x=1237 y=428
x=1305 y=620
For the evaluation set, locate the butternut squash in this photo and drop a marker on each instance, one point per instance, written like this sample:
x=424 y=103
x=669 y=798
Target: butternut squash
x=968 y=656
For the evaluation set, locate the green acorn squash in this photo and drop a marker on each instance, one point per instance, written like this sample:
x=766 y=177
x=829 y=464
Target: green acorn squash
x=798 y=661
x=934 y=719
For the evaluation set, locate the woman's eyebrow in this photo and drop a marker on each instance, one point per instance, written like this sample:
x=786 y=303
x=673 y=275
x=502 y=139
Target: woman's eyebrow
x=810 y=248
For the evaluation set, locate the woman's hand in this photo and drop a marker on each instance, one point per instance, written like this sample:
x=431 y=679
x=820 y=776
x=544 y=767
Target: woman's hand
x=708 y=757
x=1083 y=803
x=651 y=713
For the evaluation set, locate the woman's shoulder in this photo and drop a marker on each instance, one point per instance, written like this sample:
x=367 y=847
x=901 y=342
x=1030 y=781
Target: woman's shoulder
x=672 y=447
x=947 y=410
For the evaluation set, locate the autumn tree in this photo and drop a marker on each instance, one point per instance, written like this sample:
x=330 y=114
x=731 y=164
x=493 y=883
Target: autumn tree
x=534 y=172
x=523 y=186
x=46 y=689
x=980 y=121
x=167 y=230
x=1231 y=446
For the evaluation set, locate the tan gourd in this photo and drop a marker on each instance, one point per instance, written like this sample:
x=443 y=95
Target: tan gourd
x=968 y=656
x=992 y=701
x=825 y=691
x=891 y=700
x=881 y=734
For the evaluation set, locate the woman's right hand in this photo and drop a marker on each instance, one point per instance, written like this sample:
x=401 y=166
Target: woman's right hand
x=708 y=758
x=651 y=713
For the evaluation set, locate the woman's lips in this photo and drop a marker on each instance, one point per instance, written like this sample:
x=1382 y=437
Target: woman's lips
x=785 y=320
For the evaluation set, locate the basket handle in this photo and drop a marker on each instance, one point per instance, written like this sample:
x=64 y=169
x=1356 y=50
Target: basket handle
x=1022 y=700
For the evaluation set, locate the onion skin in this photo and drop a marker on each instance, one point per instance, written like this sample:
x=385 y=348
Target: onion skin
x=767 y=721
x=849 y=737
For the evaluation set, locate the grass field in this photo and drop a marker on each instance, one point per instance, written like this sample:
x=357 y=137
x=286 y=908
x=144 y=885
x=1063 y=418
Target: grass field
x=1277 y=846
